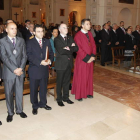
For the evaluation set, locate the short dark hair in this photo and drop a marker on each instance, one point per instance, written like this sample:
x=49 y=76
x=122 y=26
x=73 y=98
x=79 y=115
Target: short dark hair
x=27 y=21
x=6 y=22
x=121 y=22
x=108 y=21
x=104 y=25
x=37 y=26
x=54 y=29
x=84 y=20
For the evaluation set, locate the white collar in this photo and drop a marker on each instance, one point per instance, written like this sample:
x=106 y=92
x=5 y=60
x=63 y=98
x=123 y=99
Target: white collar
x=63 y=35
x=11 y=38
x=83 y=31
x=27 y=28
x=38 y=39
x=114 y=30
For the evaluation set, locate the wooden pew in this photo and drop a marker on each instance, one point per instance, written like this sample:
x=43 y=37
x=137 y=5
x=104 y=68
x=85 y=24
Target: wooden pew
x=51 y=85
x=117 y=55
x=98 y=54
x=136 y=59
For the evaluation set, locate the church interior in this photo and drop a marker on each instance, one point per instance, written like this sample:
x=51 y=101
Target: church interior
x=114 y=111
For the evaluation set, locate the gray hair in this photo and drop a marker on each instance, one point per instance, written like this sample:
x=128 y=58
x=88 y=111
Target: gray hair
x=114 y=24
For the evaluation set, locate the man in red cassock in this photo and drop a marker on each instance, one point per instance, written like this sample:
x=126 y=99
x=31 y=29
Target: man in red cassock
x=82 y=85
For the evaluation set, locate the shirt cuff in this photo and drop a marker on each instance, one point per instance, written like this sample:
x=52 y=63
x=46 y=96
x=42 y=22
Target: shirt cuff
x=86 y=58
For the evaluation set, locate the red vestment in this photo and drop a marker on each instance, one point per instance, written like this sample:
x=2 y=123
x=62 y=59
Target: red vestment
x=83 y=72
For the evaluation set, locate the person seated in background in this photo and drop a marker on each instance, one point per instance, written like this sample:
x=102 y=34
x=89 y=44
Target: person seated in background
x=130 y=46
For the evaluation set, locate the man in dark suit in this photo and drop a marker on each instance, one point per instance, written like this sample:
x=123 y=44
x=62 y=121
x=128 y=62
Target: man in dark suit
x=136 y=34
x=65 y=46
x=39 y=68
x=114 y=36
x=30 y=33
x=5 y=33
x=25 y=30
x=13 y=56
x=105 y=44
x=109 y=24
x=0 y=80
x=121 y=34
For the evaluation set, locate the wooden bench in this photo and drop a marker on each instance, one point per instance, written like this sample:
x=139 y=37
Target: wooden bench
x=51 y=85
x=117 y=55
x=136 y=59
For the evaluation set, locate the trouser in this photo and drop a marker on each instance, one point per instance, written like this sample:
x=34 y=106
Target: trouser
x=41 y=86
x=14 y=86
x=63 y=82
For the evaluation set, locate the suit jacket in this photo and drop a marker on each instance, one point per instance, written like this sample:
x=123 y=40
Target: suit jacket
x=35 y=55
x=114 y=38
x=121 y=36
x=24 y=31
x=5 y=34
x=129 y=42
x=105 y=37
x=12 y=61
x=28 y=35
x=97 y=37
x=137 y=37
x=0 y=70
x=64 y=57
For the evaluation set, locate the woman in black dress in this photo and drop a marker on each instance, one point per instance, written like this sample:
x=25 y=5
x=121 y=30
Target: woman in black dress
x=130 y=46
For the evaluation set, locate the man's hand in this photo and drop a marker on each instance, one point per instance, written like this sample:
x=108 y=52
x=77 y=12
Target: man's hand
x=67 y=48
x=48 y=62
x=44 y=63
x=91 y=59
x=100 y=41
x=109 y=43
x=0 y=79
x=117 y=43
x=73 y=44
x=18 y=72
x=135 y=46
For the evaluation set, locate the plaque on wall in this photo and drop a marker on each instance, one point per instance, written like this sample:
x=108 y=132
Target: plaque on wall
x=1 y=4
x=127 y=1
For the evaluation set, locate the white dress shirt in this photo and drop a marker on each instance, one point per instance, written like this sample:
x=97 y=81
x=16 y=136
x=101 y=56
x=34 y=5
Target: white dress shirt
x=12 y=38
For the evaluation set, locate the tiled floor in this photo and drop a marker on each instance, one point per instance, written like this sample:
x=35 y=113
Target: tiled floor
x=100 y=118
x=122 y=87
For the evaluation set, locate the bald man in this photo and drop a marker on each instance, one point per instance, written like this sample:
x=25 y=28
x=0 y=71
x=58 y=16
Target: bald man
x=65 y=46
x=13 y=55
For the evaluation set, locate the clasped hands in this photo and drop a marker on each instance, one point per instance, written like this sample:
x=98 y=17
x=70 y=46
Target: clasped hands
x=91 y=59
x=44 y=63
x=67 y=47
x=18 y=71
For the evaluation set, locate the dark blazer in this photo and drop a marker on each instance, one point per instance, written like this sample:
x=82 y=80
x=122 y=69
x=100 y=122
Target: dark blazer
x=18 y=34
x=28 y=35
x=121 y=36
x=24 y=31
x=137 y=37
x=97 y=37
x=35 y=55
x=129 y=42
x=62 y=55
x=105 y=37
x=114 y=38
x=12 y=61
x=0 y=70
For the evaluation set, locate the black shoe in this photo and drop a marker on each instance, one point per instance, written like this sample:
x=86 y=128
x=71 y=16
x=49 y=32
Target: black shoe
x=9 y=118
x=89 y=96
x=34 y=111
x=0 y=123
x=47 y=107
x=22 y=115
x=103 y=65
x=68 y=101
x=60 y=103
x=80 y=99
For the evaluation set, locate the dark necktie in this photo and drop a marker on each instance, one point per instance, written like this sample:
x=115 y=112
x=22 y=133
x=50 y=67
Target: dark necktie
x=87 y=36
x=14 y=43
x=65 y=39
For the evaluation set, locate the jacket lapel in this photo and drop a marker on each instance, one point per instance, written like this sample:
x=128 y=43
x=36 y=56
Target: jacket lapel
x=62 y=39
x=37 y=46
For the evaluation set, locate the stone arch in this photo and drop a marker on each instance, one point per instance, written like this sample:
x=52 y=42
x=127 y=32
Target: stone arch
x=126 y=16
